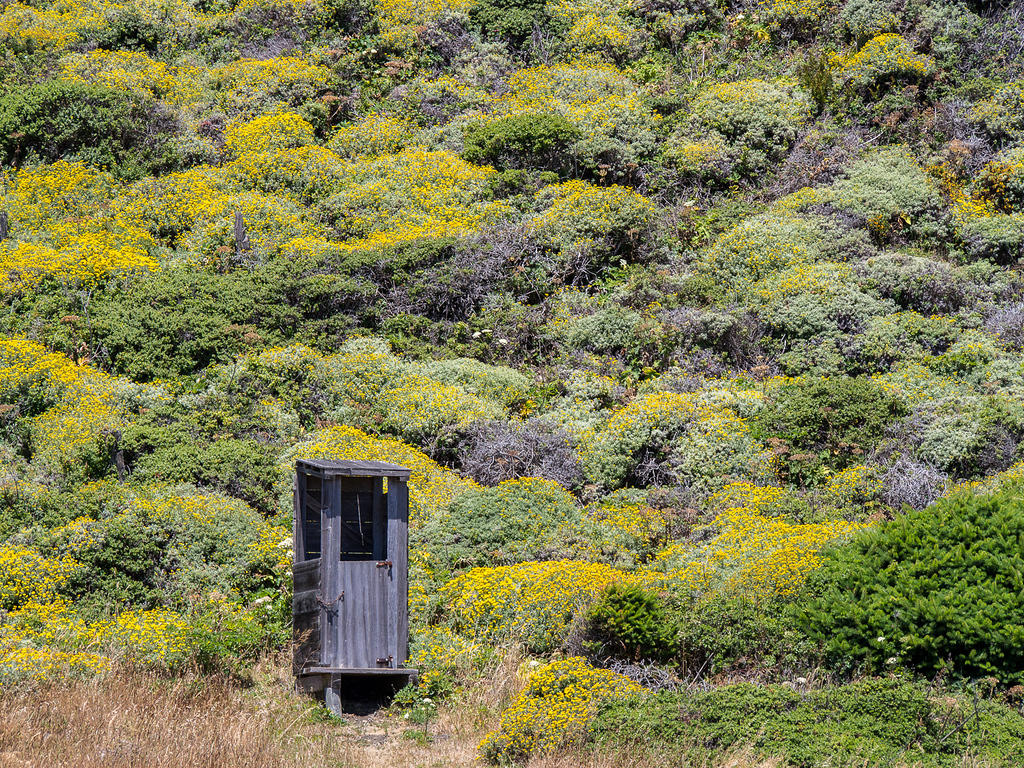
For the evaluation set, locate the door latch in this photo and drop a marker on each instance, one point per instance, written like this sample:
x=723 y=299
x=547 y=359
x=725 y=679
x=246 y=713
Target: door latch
x=387 y=660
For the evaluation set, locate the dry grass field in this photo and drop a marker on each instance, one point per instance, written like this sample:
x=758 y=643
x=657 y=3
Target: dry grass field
x=139 y=719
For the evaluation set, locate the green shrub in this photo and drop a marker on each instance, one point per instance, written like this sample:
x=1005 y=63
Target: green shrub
x=182 y=319
x=528 y=140
x=586 y=229
x=893 y=193
x=673 y=21
x=833 y=422
x=511 y=20
x=757 y=120
x=242 y=468
x=872 y=722
x=722 y=633
x=628 y=622
x=999 y=238
x=519 y=520
x=167 y=550
x=1002 y=115
x=937 y=590
x=59 y=120
x=864 y=19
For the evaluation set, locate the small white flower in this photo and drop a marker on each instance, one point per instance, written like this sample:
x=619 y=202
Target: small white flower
x=285 y=543
x=891 y=660
x=881 y=638
x=476 y=334
x=802 y=680
x=503 y=341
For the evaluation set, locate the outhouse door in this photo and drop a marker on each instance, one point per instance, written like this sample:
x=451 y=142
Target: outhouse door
x=360 y=632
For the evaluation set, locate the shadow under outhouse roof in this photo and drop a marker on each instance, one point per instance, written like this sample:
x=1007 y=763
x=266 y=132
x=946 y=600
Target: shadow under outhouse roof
x=336 y=468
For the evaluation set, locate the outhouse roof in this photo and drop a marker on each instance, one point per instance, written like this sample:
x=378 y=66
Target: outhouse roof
x=353 y=468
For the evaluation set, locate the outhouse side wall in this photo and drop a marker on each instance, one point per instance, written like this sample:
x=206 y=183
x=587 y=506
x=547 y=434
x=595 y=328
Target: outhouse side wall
x=307 y=648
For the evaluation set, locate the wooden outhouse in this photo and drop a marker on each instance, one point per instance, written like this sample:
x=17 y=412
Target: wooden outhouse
x=350 y=605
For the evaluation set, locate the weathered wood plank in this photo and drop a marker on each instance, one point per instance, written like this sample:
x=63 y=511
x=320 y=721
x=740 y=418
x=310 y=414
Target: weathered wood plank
x=330 y=576
x=306 y=575
x=306 y=602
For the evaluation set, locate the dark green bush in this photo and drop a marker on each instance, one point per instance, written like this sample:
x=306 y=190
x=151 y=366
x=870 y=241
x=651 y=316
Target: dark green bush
x=181 y=319
x=937 y=590
x=537 y=140
x=832 y=422
x=872 y=722
x=124 y=567
x=245 y=469
x=519 y=520
x=130 y=29
x=59 y=120
x=628 y=622
x=510 y=20
x=731 y=633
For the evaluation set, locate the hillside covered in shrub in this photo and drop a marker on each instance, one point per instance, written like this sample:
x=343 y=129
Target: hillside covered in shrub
x=699 y=324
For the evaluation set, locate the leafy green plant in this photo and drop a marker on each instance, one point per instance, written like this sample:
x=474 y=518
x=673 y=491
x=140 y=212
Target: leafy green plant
x=519 y=520
x=62 y=120
x=528 y=140
x=873 y=722
x=629 y=622
x=815 y=77
x=831 y=422
x=937 y=591
x=511 y=20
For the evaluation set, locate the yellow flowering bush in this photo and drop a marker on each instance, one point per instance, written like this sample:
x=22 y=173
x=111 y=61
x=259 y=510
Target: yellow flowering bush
x=400 y=19
x=70 y=410
x=431 y=486
x=763 y=556
x=1002 y=115
x=756 y=550
x=82 y=260
x=26 y=575
x=531 y=602
x=554 y=709
x=883 y=57
x=579 y=216
x=304 y=174
x=751 y=122
x=251 y=86
x=278 y=130
x=697 y=434
x=135 y=71
x=596 y=26
x=20 y=660
x=373 y=135
x=439 y=650
x=395 y=199
x=37 y=197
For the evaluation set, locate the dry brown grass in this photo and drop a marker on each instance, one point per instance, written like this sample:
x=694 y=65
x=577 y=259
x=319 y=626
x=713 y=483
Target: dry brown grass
x=138 y=719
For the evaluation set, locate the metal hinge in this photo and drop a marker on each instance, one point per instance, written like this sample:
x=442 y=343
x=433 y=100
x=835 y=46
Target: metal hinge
x=384 y=563
x=329 y=603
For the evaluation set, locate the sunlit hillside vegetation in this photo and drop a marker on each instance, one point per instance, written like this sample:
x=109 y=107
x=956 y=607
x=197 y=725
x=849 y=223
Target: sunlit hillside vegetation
x=699 y=324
